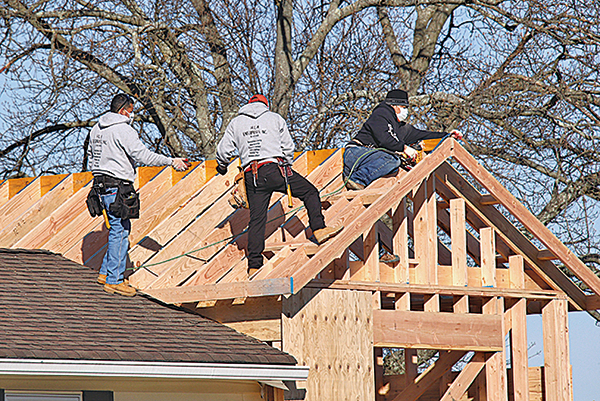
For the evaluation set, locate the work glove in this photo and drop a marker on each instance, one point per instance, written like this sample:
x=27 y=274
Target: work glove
x=410 y=152
x=221 y=169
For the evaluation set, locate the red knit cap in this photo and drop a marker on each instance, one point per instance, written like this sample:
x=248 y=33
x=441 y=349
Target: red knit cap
x=259 y=98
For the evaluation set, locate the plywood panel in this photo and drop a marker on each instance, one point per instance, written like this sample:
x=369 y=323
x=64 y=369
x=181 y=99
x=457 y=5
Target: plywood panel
x=331 y=332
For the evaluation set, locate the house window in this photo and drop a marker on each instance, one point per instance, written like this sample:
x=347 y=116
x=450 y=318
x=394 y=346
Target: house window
x=41 y=396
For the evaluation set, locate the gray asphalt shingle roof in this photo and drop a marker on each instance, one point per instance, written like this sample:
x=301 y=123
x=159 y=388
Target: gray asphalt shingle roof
x=52 y=308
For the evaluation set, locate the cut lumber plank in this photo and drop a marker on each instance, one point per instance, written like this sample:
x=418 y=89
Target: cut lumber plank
x=437 y=330
x=542 y=233
x=488 y=256
x=516 y=270
x=425 y=232
x=556 y=351
x=519 y=348
x=487 y=200
x=435 y=289
x=48 y=182
x=518 y=243
x=430 y=376
x=400 y=241
x=458 y=236
x=33 y=216
x=546 y=254
x=211 y=292
x=80 y=180
x=467 y=375
x=15 y=185
x=333 y=248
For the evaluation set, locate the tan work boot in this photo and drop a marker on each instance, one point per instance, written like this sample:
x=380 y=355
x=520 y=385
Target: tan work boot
x=121 y=289
x=102 y=279
x=324 y=234
x=252 y=271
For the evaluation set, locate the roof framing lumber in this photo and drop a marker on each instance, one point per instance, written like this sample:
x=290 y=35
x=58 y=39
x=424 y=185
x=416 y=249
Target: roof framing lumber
x=333 y=248
x=467 y=375
x=34 y=215
x=526 y=218
x=510 y=234
x=430 y=376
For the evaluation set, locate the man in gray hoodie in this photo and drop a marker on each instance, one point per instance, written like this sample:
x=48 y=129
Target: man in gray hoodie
x=266 y=150
x=113 y=151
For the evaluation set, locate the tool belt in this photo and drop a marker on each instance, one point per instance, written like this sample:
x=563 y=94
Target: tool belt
x=127 y=200
x=239 y=198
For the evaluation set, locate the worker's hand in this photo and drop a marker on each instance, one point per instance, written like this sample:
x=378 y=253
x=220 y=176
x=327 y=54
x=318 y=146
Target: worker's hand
x=221 y=169
x=410 y=152
x=456 y=134
x=179 y=164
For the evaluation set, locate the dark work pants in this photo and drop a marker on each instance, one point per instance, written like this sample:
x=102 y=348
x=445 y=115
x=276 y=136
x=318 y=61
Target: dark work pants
x=270 y=180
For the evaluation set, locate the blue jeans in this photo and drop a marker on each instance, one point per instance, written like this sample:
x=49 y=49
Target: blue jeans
x=367 y=165
x=115 y=259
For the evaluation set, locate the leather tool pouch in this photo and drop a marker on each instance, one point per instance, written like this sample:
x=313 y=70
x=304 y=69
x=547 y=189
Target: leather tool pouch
x=93 y=203
x=127 y=202
x=239 y=198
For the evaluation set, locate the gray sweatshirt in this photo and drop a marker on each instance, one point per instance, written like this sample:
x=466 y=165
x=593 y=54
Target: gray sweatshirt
x=256 y=134
x=115 y=148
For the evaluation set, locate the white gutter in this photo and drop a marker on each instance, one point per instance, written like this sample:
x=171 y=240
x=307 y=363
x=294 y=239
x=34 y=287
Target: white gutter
x=175 y=370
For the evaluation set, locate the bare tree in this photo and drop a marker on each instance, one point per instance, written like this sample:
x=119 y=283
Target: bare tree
x=520 y=78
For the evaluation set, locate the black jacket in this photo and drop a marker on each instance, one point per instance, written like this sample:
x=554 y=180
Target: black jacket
x=383 y=130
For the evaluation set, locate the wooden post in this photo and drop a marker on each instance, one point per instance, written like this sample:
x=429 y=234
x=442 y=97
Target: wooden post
x=495 y=369
x=556 y=350
x=516 y=271
x=400 y=241
x=518 y=342
x=371 y=252
x=459 y=242
x=425 y=232
x=488 y=257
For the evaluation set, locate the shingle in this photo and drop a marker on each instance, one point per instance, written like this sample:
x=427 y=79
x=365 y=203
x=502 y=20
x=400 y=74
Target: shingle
x=52 y=308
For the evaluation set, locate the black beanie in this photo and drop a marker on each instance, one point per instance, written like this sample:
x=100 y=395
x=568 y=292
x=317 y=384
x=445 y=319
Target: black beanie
x=397 y=97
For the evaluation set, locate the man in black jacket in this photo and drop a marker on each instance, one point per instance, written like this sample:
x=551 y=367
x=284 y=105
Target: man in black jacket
x=384 y=129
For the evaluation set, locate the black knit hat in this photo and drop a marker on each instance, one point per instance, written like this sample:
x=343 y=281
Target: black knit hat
x=397 y=97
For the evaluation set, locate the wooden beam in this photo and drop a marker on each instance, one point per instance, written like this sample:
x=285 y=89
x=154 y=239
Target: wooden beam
x=430 y=376
x=400 y=241
x=371 y=252
x=510 y=234
x=556 y=351
x=546 y=254
x=487 y=200
x=488 y=257
x=516 y=269
x=210 y=292
x=425 y=232
x=519 y=348
x=566 y=256
x=459 y=242
x=437 y=330
x=438 y=289
x=467 y=375
x=495 y=370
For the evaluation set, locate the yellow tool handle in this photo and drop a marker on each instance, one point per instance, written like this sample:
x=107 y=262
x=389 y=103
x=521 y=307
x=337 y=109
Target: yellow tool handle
x=289 y=194
x=106 y=218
